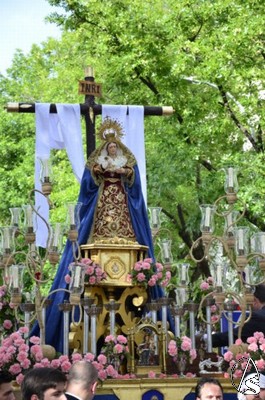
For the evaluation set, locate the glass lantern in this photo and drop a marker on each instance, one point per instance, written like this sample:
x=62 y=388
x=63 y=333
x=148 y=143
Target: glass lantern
x=73 y=215
x=241 y=240
x=207 y=218
x=165 y=247
x=154 y=212
x=231 y=183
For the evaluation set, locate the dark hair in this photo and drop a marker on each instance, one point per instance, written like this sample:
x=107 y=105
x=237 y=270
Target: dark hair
x=38 y=380
x=5 y=377
x=259 y=293
x=204 y=381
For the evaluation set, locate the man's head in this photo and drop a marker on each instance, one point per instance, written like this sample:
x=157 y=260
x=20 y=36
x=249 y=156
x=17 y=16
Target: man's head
x=259 y=297
x=82 y=380
x=209 y=389
x=6 y=390
x=44 y=384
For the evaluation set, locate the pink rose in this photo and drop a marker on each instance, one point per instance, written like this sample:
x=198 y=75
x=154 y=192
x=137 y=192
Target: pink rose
x=102 y=359
x=7 y=324
x=89 y=357
x=228 y=356
x=118 y=348
x=238 y=342
x=15 y=369
x=151 y=282
x=109 y=338
x=121 y=339
x=90 y=270
x=137 y=267
x=253 y=347
x=76 y=357
x=66 y=365
x=146 y=265
x=92 y=280
x=102 y=375
x=34 y=340
x=140 y=277
x=260 y=364
x=151 y=374
x=204 y=286
x=67 y=278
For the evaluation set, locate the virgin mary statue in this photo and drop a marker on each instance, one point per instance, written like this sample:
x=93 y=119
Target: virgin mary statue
x=112 y=207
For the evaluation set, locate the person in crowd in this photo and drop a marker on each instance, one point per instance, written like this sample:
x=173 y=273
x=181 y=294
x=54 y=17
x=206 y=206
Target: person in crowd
x=6 y=390
x=209 y=389
x=255 y=324
x=82 y=381
x=44 y=384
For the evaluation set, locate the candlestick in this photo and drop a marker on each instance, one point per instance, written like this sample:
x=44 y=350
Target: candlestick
x=192 y=307
x=86 y=303
x=66 y=307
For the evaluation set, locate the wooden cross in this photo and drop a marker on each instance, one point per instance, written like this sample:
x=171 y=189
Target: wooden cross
x=89 y=108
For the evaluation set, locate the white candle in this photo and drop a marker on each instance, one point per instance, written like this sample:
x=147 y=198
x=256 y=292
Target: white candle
x=6 y=239
x=71 y=210
x=165 y=249
x=15 y=276
x=207 y=216
x=230 y=177
x=29 y=216
x=77 y=276
x=240 y=240
x=56 y=235
x=247 y=276
x=154 y=216
x=46 y=168
x=262 y=244
x=219 y=275
x=183 y=273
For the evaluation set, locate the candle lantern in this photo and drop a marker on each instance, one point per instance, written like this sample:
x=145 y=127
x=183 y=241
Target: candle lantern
x=73 y=220
x=231 y=184
x=258 y=240
x=45 y=176
x=241 y=245
x=155 y=222
x=7 y=245
x=55 y=243
x=76 y=285
x=165 y=247
x=15 y=217
x=28 y=223
x=15 y=282
x=183 y=273
x=181 y=296
x=207 y=221
x=230 y=224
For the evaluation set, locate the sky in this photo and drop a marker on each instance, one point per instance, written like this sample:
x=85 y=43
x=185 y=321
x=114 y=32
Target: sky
x=21 y=25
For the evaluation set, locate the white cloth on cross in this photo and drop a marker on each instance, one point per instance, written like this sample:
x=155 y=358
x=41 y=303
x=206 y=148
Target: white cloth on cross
x=56 y=131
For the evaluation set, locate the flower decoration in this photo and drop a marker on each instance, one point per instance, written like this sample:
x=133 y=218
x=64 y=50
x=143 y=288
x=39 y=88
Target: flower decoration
x=237 y=355
x=115 y=349
x=17 y=356
x=7 y=313
x=93 y=272
x=181 y=349
x=149 y=273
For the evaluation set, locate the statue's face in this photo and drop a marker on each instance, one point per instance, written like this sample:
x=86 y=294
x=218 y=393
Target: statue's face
x=112 y=149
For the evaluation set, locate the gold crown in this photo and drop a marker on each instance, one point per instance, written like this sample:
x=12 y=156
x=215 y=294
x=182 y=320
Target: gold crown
x=113 y=126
